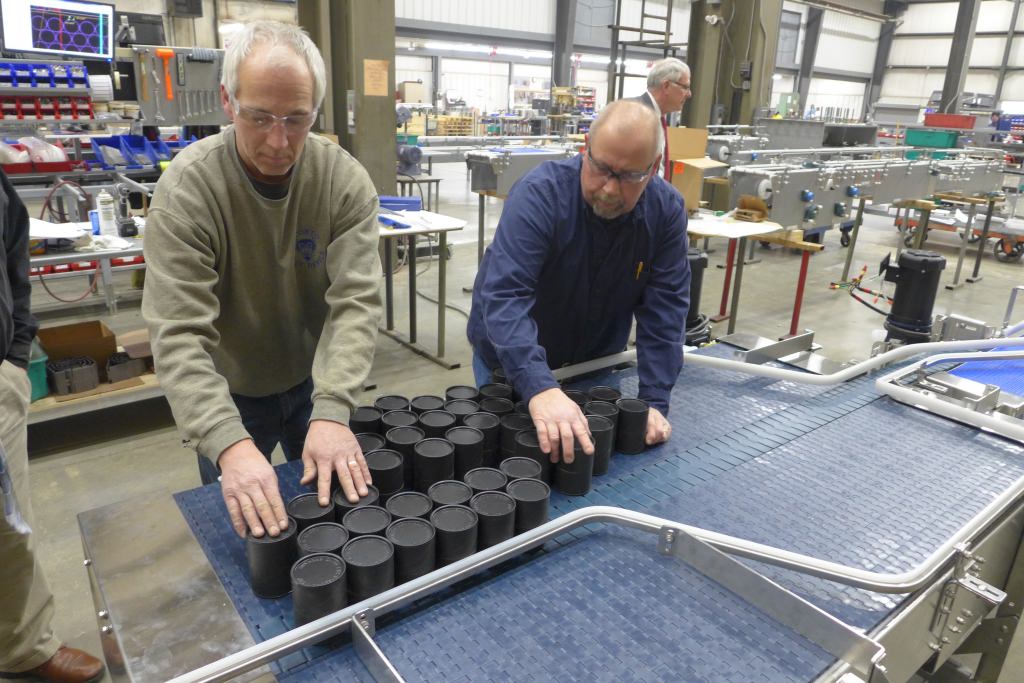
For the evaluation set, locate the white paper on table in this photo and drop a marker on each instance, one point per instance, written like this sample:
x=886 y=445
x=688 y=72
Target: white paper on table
x=429 y=219
x=44 y=230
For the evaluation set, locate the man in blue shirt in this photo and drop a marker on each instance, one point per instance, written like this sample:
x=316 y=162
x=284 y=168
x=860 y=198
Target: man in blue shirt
x=583 y=246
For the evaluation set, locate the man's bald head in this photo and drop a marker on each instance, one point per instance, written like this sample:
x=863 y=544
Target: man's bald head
x=631 y=120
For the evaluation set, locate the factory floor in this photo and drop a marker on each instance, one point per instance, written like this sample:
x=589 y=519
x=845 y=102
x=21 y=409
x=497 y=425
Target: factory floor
x=96 y=459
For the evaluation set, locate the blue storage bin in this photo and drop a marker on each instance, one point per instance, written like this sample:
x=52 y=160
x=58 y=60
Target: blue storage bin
x=401 y=203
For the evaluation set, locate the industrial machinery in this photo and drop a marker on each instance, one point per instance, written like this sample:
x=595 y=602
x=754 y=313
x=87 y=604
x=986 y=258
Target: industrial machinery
x=817 y=193
x=497 y=169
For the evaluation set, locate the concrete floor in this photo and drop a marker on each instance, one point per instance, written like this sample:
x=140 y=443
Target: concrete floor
x=93 y=460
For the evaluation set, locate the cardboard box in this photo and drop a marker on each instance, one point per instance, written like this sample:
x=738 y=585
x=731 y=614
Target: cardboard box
x=92 y=339
x=688 y=177
x=687 y=143
x=412 y=91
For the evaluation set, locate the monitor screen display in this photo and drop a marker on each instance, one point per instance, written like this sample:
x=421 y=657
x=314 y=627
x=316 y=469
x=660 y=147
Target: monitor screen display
x=58 y=27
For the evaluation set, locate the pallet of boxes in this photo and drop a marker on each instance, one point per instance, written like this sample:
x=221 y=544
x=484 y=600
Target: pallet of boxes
x=454 y=125
x=82 y=359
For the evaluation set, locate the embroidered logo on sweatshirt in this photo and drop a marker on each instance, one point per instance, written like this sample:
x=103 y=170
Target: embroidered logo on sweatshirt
x=309 y=250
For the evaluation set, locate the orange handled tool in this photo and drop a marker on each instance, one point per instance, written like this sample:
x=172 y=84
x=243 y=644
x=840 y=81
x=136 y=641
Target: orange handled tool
x=166 y=54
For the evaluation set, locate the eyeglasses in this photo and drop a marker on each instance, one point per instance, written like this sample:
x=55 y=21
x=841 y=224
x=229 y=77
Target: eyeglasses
x=602 y=170
x=686 y=88
x=264 y=122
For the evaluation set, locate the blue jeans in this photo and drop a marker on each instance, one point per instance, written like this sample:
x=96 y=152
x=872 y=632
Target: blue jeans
x=481 y=373
x=278 y=418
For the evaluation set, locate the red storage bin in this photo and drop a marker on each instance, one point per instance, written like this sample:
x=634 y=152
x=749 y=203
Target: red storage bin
x=937 y=120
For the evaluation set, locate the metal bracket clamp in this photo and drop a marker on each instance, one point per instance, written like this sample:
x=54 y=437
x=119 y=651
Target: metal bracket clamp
x=861 y=653
x=363 y=627
x=964 y=601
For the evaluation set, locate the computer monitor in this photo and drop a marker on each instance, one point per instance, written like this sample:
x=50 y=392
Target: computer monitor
x=62 y=28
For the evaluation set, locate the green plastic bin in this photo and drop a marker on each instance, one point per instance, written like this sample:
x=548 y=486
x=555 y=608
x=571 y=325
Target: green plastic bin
x=941 y=139
x=37 y=371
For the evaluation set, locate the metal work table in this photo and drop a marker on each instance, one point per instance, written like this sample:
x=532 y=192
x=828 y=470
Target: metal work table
x=831 y=472
x=407 y=188
x=442 y=225
x=105 y=269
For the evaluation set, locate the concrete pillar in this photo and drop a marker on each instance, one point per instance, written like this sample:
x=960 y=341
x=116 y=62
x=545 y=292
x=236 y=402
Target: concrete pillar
x=565 y=37
x=811 y=36
x=959 y=55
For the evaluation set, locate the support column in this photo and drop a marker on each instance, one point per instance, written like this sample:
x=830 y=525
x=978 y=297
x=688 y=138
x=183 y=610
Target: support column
x=565 y=38
x=811 y=36
x=714 y=70
x=888 y=30
x=361 y=76
x=959 y=55
x=314 y=17
x=1006 y=50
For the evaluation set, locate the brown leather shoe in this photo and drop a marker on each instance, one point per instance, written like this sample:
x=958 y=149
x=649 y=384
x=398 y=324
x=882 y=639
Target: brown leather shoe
x=70 y=665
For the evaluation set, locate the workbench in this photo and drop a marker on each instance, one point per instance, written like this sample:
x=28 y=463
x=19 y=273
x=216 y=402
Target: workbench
x=839 y=473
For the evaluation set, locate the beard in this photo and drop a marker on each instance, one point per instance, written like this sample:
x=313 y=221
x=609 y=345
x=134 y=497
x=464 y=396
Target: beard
x=606 y=206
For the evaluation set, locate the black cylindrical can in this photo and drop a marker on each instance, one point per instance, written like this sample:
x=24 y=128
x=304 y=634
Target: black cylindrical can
x=609 y=410
x=422 y=404
x=573 y=479
x=532 y=498
x=496 y=406
x=306 y=510
x=404 y=440
x=602 y=434
x=510 y=426
x=485 y=479
x=449 y=492
x=528 y=446
x=326 y=537
x=371 y=567
x=496 y=390
x=578 y=397
x=318 y=587
x=698 y=262
x=631 y=432
x=365 y=419
x=489 y=425
x=433 y=461
x=521 y=468
x=368 y=441
x=342 y=506
x=271 y=559
x=409 y=504
x=461 y=408
x=387 y=469
x=469 y=449
x=461 y=391
x=389 y=403
x=398 y=418
x=604 y=393
x=370 y=520
x=917 y=283
x=456 y=527
x=496 y=515
x=435 y=423
x=522 y=407
x=414 y=544
x=498 y=376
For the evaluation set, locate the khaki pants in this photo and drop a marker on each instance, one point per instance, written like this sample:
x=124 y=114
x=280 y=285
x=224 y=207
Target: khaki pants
x=26 y=605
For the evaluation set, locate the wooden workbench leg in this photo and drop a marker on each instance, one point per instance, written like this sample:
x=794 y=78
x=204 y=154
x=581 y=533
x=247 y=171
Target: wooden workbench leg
x=922 y=227
x=853 y=241
x=736 y=287
x=968 y=229
x=805 y=260
x=975 y=277
x=722 y=314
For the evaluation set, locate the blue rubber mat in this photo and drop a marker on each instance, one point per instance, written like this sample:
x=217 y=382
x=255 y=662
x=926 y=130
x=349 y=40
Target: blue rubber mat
x=833 y=472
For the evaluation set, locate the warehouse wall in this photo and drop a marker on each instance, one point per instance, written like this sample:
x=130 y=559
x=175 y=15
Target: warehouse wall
x=930 y=53
x=533 y=16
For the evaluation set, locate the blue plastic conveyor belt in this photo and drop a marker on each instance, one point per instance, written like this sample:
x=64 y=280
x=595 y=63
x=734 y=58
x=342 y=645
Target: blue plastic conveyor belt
x=834 y=472
x=1008 y=375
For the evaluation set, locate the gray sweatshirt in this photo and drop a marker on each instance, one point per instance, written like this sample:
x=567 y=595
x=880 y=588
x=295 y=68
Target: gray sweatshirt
x=251 y=295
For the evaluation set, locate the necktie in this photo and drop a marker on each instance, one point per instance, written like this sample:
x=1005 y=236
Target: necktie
x=664 y=129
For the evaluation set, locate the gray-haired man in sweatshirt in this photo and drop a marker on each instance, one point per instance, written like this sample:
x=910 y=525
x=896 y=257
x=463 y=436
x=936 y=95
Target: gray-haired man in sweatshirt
x=262 y=288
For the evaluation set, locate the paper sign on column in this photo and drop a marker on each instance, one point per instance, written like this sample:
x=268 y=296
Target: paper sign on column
x=375 y=77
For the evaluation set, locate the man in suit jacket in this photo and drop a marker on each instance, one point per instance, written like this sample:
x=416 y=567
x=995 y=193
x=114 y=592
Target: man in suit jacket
x=668 y=88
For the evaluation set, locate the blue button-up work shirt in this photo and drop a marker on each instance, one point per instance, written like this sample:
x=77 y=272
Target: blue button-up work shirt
x=560 y=285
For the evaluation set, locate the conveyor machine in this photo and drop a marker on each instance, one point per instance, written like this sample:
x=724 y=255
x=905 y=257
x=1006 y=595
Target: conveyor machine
x=496 y=169
x=796 y=527
x=814 y=193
